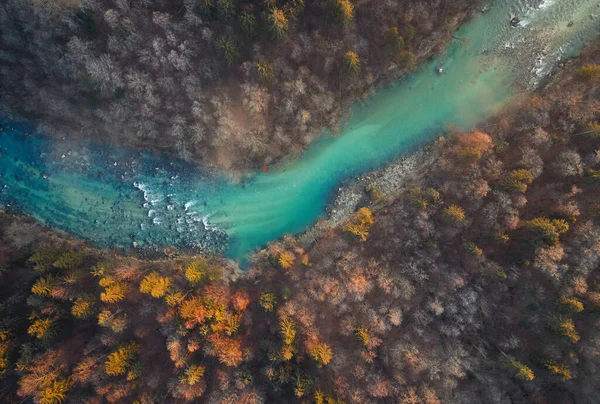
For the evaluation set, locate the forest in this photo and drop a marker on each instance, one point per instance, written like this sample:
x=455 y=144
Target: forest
x=478 y=284
x=224 y=83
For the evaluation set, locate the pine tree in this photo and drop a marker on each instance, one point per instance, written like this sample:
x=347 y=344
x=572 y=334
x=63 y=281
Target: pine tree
x=192 y=375
x=121 y=360
x=55 y=392
x=344 y=12
x=114 y=291
x=279 y=23
x=519 y=370
x=321 y=353
x=288 y=330
x=83 y=307
x=196 y=271
x=360 y=223
x=351 y=63
x=42 y=327
x=155 y=285
x=454 y=214
x=267 y=301
x=286 y=259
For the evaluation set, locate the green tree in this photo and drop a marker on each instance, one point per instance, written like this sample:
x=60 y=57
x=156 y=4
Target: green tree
x=227 y=50
x=69 y=260
x=394 y=41
x=248 y=23
x=225 y=9
x=44 y=257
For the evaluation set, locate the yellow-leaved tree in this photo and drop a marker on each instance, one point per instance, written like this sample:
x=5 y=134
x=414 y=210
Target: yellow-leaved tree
x=155 y=285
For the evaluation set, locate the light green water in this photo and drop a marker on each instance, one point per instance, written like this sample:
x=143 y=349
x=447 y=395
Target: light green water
x=88 y=195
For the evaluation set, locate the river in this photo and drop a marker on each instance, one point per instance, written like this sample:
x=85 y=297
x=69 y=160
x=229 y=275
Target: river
x=115 y=197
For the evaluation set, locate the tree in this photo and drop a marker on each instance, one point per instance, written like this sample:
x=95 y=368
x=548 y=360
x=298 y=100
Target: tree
x=279 y=23
x=286 y=259
x=225 y=9
x=566 y=328
x=196 y=271
x=363 y=336
x=193 y=311
x=454 y=214
x=267 y=301
x=117 y=323
x=83 y=307
x=248 y=23
x=344 y=12
x=44 y=257
x=548 y=230
x=571 y=304
x=471 y=146
x=360 y=223
x=519 y=370
x=288 y=330
x=42 y=327
x=155 y=285
x=517 y=181
x=588 y=73
x=55 y=392
x=558 y=369
x=228 y=350
x=193 y=374
x=405 y=59
x=114 y=291
x=351 y=63
x=320 y=352
x=44 y=286
x=227 y=50
x=394 y=40
x=121 y=360
x=265 y=72
x=422 y=198
x=594 y=129
x=69 y=260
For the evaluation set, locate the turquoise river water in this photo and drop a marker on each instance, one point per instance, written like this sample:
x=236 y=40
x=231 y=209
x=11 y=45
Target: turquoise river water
x=113 y=196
